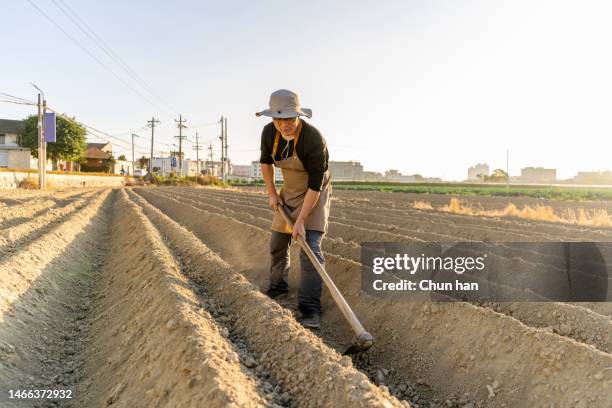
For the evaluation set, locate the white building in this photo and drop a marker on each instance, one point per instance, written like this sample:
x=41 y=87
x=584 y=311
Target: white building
x=123 y=167
x=346 y=170
x=478 y=169
x=11 y=154
x=241 y=170
x=164 y=165
x=394 y=175
x=538 y=175
x=256 y=171
x=214 y=168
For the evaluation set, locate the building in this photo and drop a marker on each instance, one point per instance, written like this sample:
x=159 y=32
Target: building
x=12 y=155
x=170 y=165
x=241 y=170
x=394 y=175
x=123 y=167
x=538 y=175
x=214 y=168
x=593 y=177
x=481 y=169
x=97 y=157
x=346 y=170
x=372 y=176
x=256 y=171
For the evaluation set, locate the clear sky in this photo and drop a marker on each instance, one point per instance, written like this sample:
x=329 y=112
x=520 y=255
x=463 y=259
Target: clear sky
x=428 y=87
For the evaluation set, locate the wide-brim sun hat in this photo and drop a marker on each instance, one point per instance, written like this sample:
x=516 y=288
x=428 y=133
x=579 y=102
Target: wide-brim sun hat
x=284 y=104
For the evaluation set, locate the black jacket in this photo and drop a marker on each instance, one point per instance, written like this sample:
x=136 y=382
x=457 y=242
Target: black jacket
x=311 y=150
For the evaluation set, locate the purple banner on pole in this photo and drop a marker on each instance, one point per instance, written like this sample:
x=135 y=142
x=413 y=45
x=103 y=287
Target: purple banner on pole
x=49 y=127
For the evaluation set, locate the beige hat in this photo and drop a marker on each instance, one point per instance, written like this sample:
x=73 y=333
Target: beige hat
x=285 y=104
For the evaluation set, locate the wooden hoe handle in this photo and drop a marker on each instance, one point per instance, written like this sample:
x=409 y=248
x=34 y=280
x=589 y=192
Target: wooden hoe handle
x=338 y=298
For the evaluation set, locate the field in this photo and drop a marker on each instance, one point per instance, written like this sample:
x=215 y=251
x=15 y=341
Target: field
x=547 y=192
x=151 y=297
x=554 y=192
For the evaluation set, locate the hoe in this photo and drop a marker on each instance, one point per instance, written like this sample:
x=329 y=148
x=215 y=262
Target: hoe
x=364 y=339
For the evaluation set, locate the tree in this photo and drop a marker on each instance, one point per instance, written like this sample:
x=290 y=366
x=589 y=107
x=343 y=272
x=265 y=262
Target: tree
x=144 y=162
x=498 y=176
x=108 y=164
x=122 y=157
x=70 y=139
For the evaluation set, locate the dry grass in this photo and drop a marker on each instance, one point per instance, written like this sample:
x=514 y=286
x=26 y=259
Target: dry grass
x=29 y=183
x=579 y=216
x=422 y=205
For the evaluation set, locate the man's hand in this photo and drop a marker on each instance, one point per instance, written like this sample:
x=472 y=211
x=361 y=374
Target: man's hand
x=274 y=200
x=298 y=228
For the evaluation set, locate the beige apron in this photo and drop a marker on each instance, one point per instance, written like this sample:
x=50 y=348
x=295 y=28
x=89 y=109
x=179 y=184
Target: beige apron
x=293 y=191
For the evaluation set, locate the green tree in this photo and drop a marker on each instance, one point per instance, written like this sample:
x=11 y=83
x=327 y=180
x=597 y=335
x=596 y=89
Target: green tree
x=70 y=139
x=122 y=157
x=108 y=164
x=498 y=176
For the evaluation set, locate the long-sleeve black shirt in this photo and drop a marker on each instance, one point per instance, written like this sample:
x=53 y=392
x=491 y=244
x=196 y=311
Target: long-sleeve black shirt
x=311 y=150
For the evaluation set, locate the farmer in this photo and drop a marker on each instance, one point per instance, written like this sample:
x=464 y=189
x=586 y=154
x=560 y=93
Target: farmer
x=300 y=151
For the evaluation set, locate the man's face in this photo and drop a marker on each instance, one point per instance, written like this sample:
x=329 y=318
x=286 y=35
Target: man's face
x=286 y=127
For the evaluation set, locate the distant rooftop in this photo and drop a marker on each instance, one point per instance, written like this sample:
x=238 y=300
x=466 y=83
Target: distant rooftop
x=12 y=126
x=97 y=145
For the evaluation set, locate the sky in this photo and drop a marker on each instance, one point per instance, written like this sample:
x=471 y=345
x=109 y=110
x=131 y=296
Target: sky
x=427 y=87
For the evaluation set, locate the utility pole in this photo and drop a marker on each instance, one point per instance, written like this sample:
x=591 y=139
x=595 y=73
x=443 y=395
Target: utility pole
x=222 y=137
x=180 y=138
x=133 y=160
x=41 y=167
x=507 y=168
x=225 y=157
x=197 y=148
x=162 y=164
x=42 y=148
x=212 y=163
x=152 y=124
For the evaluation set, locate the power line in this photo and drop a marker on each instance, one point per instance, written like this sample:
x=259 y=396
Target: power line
x=17 y=98
x=201 y=125
x=89 y=53
x=101 y=135
x=93 y=131
x=89 y=32
x=17 y=102
x=88 y=127
x=91 y=128
x=129 y=132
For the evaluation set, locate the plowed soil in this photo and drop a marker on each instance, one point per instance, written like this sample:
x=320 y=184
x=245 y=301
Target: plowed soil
x=152 y=297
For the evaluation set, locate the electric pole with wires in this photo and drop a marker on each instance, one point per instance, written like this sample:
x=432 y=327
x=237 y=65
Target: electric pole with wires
x=212 y=163
x=151 y=124
x=180 y=137
x=222 y=138
x=225 y=158
x=133 y=159
x=197 y=148
x=163 y=171
x=42 y=148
